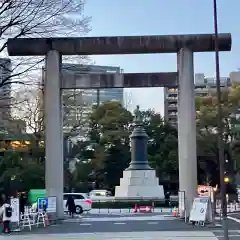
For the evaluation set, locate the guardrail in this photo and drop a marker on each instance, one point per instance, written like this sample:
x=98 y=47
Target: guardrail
x=127 y=205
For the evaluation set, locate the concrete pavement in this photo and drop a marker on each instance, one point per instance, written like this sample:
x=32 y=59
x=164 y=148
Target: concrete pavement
x=138 y=226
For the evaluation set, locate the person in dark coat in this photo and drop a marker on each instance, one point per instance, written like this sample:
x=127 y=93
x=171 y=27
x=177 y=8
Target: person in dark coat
x=22 y=203
x=71 y=206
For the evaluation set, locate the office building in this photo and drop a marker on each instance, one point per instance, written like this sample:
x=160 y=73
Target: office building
x=5 y=91
x=77 y=103
x=203 y=87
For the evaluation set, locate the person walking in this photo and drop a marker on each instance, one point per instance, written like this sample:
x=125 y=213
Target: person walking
x=22 y=203
x=6 y=214
x=70 y=204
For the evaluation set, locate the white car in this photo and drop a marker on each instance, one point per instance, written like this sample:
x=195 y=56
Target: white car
x=82 y=202
x=99 y=194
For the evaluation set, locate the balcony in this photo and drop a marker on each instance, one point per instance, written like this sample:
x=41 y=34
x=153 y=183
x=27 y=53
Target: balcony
x=172 y=114
x=172 y=107
x=172 y=99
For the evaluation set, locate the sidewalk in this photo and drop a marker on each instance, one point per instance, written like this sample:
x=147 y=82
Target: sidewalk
x=191 y=235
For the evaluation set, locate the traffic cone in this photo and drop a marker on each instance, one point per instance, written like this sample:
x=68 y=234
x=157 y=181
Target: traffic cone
x=135 y=208
x=175 y=212
x=46 y=220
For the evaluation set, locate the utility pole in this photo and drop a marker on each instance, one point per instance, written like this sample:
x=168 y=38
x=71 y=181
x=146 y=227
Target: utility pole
x=220 y=129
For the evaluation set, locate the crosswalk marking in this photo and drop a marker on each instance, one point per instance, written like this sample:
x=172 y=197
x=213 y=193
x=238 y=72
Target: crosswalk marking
x=125 y=218
x=173 y=235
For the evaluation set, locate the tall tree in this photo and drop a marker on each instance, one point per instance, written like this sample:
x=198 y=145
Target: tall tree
x=38 y=18
x=109 y=129
x=19 y=173
x=207 y=126
x=162 y=146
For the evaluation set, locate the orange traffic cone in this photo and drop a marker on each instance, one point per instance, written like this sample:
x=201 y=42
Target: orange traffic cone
x=175 y=212
x=135 y=210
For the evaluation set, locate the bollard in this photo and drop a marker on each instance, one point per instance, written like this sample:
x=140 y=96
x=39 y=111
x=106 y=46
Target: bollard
x=153 y=208
x=161 y=209
x=135 y=208
x=99 y=207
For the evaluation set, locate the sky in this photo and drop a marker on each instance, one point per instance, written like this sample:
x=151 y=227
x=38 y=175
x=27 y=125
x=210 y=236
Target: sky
x=161 y=17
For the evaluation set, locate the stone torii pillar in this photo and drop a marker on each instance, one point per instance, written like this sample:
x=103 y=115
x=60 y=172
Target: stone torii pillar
x=53 y=130
x=187 y=127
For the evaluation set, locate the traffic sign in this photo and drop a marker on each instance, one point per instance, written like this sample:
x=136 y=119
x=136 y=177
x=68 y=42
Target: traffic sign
x=42 y=203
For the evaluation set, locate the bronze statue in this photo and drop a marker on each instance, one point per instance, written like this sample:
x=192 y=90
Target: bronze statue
x=137 y=115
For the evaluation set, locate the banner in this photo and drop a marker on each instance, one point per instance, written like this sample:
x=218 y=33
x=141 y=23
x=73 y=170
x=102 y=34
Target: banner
x=15 y=210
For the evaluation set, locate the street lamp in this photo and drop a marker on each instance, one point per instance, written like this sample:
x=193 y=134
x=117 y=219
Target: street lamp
x=220 y=128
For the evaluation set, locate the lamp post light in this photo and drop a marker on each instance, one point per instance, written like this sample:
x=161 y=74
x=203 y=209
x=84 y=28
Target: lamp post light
x=220 y=129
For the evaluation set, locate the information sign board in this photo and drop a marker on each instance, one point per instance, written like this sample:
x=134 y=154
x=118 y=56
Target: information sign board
x=201 y=210
x=15 y=210
x=52 y=205
x=42 y=203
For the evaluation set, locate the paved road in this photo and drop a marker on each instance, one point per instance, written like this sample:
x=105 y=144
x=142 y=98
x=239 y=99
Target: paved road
x=140 y=226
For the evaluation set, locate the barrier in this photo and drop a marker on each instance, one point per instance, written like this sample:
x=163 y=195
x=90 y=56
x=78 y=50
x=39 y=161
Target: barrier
x=32 y=219
x=123 y=205
x=143 y=209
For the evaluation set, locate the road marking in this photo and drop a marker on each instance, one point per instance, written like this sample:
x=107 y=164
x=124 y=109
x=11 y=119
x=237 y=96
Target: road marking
x=119 y=223
x=85 y=224
x=229 y=236
x=152 y=223
x=234 y=219
x=230 y=230
x=189 y=235
x=129 y=218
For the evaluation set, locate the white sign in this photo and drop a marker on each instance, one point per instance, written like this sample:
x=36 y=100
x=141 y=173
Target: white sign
x=181 y=200
x=52 y=205
x=201 y=210
x=15 y=210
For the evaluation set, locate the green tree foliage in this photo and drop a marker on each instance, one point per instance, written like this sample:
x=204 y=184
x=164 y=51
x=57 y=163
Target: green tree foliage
x=162 y=146
x=109 y=136
x=107 y=153
x=19 y=173
x=207 y=145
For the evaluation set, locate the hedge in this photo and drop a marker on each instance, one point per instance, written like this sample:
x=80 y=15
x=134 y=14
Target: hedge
x=115 y=204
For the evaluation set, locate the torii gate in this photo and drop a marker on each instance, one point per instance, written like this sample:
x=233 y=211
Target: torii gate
x=54 y=48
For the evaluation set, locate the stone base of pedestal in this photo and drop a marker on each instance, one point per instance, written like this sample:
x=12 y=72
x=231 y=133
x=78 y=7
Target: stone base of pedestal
x=139 y=183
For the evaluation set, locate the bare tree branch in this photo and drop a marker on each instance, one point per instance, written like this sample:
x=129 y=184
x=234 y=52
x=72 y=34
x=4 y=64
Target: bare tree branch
x=37 y=18
x=28 y=107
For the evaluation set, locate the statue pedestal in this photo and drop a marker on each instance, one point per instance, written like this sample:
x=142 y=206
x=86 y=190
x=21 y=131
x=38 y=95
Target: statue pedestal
x=139 y=184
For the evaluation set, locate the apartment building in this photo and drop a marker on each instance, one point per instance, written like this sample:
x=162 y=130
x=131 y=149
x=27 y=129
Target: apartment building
x=203 y=87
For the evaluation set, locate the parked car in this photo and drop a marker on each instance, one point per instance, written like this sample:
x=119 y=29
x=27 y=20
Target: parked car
x=82 y=202
x=100 y=194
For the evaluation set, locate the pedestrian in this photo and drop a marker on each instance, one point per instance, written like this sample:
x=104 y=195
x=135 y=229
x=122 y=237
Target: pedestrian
x=22 y=203
x=70 y=204
x=6 y=214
